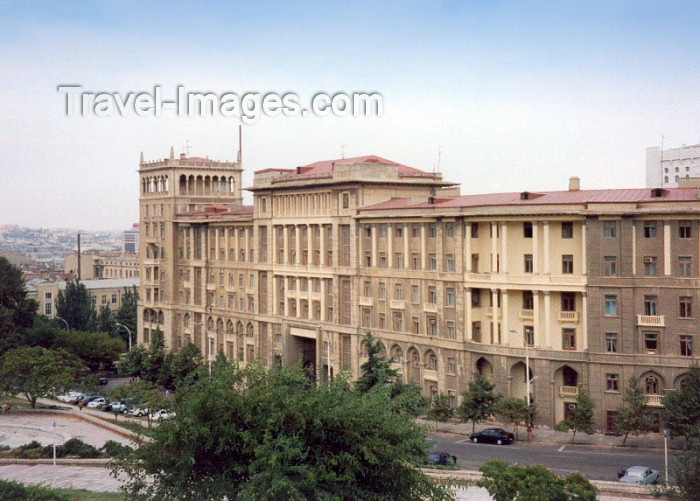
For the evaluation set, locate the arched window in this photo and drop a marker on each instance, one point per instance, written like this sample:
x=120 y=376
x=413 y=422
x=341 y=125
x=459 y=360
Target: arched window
x=249 y=330
x=397 y=354
x=651 y=385
x=186 y=320
x=229 y=327
x=431 y=361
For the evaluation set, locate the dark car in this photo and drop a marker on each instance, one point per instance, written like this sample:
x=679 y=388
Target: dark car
x=441 y=459
x=102 y=381
x=89 y=399
x=497 y=436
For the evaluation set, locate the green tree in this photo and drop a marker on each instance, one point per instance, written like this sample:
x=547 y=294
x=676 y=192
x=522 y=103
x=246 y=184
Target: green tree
x=185 y=363
x=17 y=311
x=133 y=362
x=406 y=398
x=75 y=306
x=440 y=409
x=377 y=369
x=533 y=483
x=581 y=417
x=634 y=417
x=687 y=471
x=478 y=401
x=267 y=435
x=143 y=394
x=36 y=372
x=681 y=411
x=126 y=314
x=157 y=365
x=105 y=319
x=96 y=349
x=514 y=411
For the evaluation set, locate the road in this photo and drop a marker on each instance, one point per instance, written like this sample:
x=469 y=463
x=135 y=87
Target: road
x=595 y=463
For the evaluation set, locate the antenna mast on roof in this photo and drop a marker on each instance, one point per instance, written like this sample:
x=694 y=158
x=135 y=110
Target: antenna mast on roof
x=240 y=144
x=661 y=162
x=439 y=156
x=187 y=148
x=342 y=150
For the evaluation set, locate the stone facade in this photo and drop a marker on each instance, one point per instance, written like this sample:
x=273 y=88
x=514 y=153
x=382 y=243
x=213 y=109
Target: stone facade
x=450 y=284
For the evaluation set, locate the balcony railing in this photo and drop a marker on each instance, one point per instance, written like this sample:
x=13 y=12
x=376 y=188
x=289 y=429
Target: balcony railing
x=654 y=400
x=568 y=391
x=527 y=314
x=365 y=301
x=568 y=316
x=650 y=320
x=397 y=304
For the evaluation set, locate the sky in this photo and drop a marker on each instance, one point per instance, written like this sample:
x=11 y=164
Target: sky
x=499 y=95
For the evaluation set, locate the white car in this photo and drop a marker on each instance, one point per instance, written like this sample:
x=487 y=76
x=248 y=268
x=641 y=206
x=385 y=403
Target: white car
x=162 y=414
x=94 y=404
x=139 y=411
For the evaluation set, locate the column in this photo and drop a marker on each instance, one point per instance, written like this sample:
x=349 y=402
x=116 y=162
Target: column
x=667 y=248
x=406 y=257
x=467 y=248
x=297 y=242
x=468 y=314
x=323 y=299
x=584 y=261
x=273 y=283
x=494 y=312
x=322 y=245
x=235 y=244
x=423 y=248
x=390 y=245
x=504 y=248
x=504 y=304
x=634 y=246
x=535 y=251
x=537 y=325
x=286 y=244
x=246 y=242
x=546 y=248
x=494 y=247
x=547 y=320
x=584 y=320
x=216 y=243
x=310 y=243
x=374 y=245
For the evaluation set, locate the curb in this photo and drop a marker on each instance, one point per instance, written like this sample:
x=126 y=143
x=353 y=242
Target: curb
x=99 y=462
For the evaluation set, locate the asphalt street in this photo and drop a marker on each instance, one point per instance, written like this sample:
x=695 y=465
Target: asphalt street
x=596 y=463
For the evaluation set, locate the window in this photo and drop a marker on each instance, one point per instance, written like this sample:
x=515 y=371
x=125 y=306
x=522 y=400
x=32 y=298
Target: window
x=432 y=326
x=528 y=300
x=449 y=230
x=451 y=332
x=476 y=298
x=399 y=230
x=382 y=259
x=450 y=297
x=368 y=259
x=432 y=261
x=346 y=200
x=432 y=362
x=398 y=260
x=476 y=331
x=649 y=266
x=568 y=301
x=684 y=266
x=650 y=303
x=610 y=305
x=529 y=334
x=432 y=294
x=382 y=290
x=651 y=342
x=610 y=266
x=686 y=345
x=398 y=291
x=527 y=230
x=475 y=263
x=415 y=294
x=415 y=325
x=567 y=264
x=432 y=230
x=381 y=321
x=366 y=317
x=367 y=290
x=397 y=318
x=415 y=230
x=449 y=262
x=609 y=229
x=567 y=230
x=382 y=230
x=474 y=228
x=528 y=263
x=612 y=382
x=415 y=261
x=649 y=229
x=611 y=342
x=684 y=229
x=114 y=299
x=48 y=309
x=685 y=307
x=451 y=365
x=568 y=341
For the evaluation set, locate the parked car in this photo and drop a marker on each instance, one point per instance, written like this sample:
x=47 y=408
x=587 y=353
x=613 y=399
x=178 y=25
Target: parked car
x=441 y=458
x=139 y=411
x=162 y=414
x=102 y=381
x=76 y=398
x=89 y=399
x=638 y=475
x=115 y=406
x=95 y=403
x=496 y=436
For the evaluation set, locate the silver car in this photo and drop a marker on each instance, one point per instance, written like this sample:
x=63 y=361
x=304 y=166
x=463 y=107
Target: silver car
x=639 y=475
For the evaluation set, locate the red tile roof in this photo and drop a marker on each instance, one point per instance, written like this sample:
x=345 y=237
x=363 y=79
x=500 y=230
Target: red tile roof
x=324 y=168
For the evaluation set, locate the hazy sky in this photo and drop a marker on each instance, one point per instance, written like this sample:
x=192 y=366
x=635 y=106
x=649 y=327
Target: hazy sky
x=519 y=95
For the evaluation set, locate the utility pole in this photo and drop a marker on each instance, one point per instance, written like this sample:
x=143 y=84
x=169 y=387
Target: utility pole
x=79 y=276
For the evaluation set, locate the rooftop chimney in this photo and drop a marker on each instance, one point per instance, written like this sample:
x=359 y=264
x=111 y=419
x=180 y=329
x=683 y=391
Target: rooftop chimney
x=574 y=183
x=183 y=156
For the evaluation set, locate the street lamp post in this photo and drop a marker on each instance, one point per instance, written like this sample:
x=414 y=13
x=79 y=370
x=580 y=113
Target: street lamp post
x=127 y=330
x=64 y=321
x=665 y=433
x=54 y=443
x=528 y=381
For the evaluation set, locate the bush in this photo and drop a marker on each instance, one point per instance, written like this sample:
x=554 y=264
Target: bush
x=72 y=448
x=114 y=449
x=32 y=450
x=18 y=492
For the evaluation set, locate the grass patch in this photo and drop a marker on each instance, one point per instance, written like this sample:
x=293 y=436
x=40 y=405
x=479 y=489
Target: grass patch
x=83 y=495
x=130 y=425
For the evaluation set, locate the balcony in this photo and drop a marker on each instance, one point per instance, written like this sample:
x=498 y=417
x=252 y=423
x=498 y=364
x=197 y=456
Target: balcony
x=430 y=307
x=568 y=391
x=650 y=320
x=479 y=277
x=397 y=304
x=568 y=316
x=365 y=301
x=654 y=400
x=527 y=314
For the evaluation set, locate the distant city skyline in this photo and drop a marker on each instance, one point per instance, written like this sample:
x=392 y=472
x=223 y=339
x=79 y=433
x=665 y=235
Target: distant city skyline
x=504 y=96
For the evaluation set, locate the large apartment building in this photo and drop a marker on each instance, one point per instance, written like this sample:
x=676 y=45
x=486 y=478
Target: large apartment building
x=587 y=288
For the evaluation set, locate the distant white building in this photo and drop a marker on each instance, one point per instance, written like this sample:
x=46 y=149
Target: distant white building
x=130 y=240
x=665 y=168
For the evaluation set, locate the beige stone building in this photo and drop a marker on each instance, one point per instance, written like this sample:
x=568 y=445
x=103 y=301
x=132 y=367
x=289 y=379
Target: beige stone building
x=104 y=293
x=587 y=287
x=98 y=265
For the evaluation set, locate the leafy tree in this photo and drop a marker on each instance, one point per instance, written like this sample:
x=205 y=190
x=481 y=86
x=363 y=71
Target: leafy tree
x=377 y=369
x=681 y=411
x=256 y=434
x=143 y=394
x=533 y=482
x=478 y=401
x=406 y=398
x=635 y=416
x=157 y=365
x=96 y=349
x=37 y=372
x=105 y=319
x=17 y=312
x=126 y=314
x=185 y=363
x=687 y=471
x=514 y=411
x=581 y=418
x=74 y=305
x=133 y=363
x=440 y=409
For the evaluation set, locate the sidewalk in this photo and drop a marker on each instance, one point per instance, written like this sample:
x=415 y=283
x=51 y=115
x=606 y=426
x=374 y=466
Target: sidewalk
x=544 y=435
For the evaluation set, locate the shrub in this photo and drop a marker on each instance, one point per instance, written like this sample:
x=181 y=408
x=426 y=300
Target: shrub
x=73 y=448
x=114 y=449
x=18 y=492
